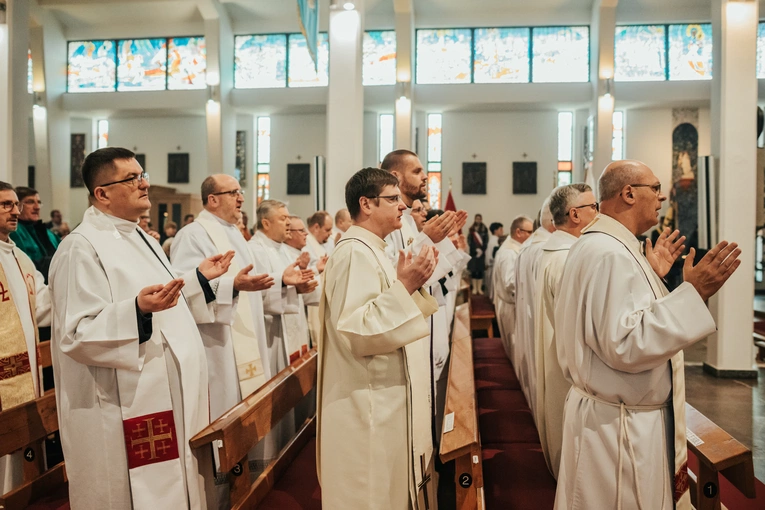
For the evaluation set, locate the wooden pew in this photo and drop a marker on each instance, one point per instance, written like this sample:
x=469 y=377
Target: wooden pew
x=717 y=453
x=481 y=314
x=462 y=444
x=247 y=423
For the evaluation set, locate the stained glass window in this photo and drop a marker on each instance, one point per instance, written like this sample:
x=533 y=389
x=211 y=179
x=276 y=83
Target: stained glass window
x=186 y=63
x=30 y=79
x=260 y=61
x=379 y=66
x=565 y=136
x=386 y=135
x=434 y=159
x=443 y=56
x=617 y=141
x=434 y=190
x=690 y=52
x=561 y=54
x=501 y=55
x=301 y=72
x=263 y=157
x=92 y=66
x=761 y=50
x=103 y=134
x=141 y=64
x=640 y=53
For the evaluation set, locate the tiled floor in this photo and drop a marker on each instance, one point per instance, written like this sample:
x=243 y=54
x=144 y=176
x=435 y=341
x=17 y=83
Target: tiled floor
x=737 y=406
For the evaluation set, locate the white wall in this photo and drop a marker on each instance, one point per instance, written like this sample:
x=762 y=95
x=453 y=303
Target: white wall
x=78 y=197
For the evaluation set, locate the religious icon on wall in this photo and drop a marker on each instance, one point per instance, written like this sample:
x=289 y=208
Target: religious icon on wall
x=299 y=179
x=524 y=177
x=684 y=193
x=77 y=154
x=178 y=168
x=474 y=178
x=141 y=158
x=240 y=165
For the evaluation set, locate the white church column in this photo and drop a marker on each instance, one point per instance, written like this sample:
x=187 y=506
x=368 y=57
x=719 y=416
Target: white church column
x=345 y=103
x=730 y=352
x=602 y=29
x=404 y=12
x=220 y=115
x=14 y=98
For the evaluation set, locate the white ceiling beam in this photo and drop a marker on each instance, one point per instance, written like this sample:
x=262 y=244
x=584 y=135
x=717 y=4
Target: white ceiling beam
x=403 y=6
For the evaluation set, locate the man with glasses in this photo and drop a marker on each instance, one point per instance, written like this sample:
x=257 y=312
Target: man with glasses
x=129 y=364
x=295 y=246
x=620 y=336
x=572 y=207
x=526 y=268
x=374 y=447
x=318 y=239
x=32 y=236
x=504 y=279
x=24 y=306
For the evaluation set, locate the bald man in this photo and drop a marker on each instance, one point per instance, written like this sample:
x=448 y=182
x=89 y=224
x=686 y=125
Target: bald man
x=620 y=335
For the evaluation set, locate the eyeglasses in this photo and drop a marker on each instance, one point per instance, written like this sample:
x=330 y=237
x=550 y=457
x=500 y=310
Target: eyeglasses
x=132 y=181
x=656 y=188
x=596 y=206
x=301 y=230
x=393 y=199
x=8 y=205
x=527 y=231
x=232 y=192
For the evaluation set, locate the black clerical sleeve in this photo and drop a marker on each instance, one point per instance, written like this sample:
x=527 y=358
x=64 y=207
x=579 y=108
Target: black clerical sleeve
x=145 y=328
x=206 y=288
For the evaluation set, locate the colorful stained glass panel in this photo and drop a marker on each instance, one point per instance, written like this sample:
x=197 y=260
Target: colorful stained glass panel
x=761 y=50
x=434 y=190
x=141 y=64
x=91 y=66
x=379 y=50
x=30 y=79
x=302 y=72
x=186 y=63
x=501 y=55
x=690 y=52
x=443 y=56
x=560 y=54
x=639 y=53
x=260 y=61
x=263 y=187
x=434 y=136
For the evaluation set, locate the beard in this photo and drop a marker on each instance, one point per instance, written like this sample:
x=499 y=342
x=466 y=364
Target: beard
x=413 y=192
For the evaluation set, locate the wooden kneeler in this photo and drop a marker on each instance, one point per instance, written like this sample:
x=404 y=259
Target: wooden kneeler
x=462 y=443
x=717 y=453
x=25 y=428
x=241 y=428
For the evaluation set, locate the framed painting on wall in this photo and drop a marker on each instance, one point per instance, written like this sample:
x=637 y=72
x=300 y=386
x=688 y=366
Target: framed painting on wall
x=299 y=179
x=77 y=152
x=141 y=158
x=474 y=178
x=178 y=168
x=524 y=177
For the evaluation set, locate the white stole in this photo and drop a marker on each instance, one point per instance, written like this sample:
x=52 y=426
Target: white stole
x=249 y=365
x=681 y=491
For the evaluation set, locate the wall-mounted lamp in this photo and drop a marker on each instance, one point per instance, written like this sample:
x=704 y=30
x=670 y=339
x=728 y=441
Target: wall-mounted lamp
x=346 y=5
x=38 y=99
x=213 y=93
x=403 y=90
x=608 y=86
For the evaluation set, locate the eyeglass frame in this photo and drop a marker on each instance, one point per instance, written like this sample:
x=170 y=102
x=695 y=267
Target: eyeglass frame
x=302 y=230
x=596 y=205
x=231 y=192
x=143 y=176
x=4 y=205
x=656 y=188
x=388 y=198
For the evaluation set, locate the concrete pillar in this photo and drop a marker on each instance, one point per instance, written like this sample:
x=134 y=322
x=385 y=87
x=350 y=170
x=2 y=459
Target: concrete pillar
x=730 y=352
x=405 y=44
x=602 y=31
x=220 y=115
x=345 y=103
x=14 y=98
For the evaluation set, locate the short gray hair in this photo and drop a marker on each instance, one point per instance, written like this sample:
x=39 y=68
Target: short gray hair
x=615 y=177
x=545 y=216
x=265 y=209
x=562 y=198
x=518 y=222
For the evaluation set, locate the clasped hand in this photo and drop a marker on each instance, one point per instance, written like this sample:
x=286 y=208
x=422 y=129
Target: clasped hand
x=440 y=227
x=414 y=272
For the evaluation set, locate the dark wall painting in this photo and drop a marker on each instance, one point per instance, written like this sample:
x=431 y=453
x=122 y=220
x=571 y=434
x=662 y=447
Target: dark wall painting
x=240 y=165
x=299 y=179
x=141 y=158
x=77 y=155
x=685 y=156
x=524 y=177
x=474 y=178
x=178 y=168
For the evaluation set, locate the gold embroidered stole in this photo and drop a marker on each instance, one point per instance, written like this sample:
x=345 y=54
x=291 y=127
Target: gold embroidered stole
x=681 y=492
x=16 y=379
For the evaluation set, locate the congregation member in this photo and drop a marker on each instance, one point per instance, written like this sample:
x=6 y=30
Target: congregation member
x=419 y=214
x=129 y=364
x=32 y=236
x=496 y=231
x=526 y=265
x=24 y=306
x=187 y=220
x=319 y=237
x=504 y=280
x=56 y=222
x=374 y=448
x=572 y=207
x=170 y=230
x=268 y=249
x=144 y=223
x=478 y=238
x=624 y=441
x=297 y=324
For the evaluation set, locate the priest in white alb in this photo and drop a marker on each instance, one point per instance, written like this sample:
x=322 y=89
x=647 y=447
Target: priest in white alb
x=374 y=448
x=526 y=265
x=319 y=234
x=295 y=247
x=24 y=306
x=573 y=207
x=129 y=364
x=503 y=276
x=620 y=337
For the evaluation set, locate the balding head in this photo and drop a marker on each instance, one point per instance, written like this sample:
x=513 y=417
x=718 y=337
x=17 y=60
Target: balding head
x=617 y=175
x=343 y=220
x=631 y=194
x=223 y=196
